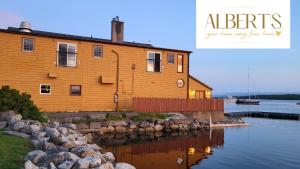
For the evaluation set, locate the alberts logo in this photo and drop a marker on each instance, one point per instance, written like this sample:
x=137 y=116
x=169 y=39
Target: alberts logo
x=244 y=21
x=243 y=24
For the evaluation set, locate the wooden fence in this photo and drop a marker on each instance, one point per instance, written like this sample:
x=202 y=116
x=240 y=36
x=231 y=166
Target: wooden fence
x=161 y=105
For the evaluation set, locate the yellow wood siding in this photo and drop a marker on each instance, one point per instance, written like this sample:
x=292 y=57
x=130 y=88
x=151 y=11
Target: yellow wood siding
x=198 y=90
x=25 y=71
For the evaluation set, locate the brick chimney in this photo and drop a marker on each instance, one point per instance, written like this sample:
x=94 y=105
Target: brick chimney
x=117 y=30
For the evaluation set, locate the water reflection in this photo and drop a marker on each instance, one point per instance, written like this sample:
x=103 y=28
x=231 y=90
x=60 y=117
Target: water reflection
x=181 y=152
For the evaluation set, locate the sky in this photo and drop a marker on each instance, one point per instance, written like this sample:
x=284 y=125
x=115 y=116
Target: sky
x=171 y=24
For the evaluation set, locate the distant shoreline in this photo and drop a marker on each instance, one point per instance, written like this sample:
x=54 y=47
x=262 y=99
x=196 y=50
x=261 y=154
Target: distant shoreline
x=273 y=97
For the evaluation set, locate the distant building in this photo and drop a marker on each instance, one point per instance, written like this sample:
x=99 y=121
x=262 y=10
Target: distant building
x=68 y=73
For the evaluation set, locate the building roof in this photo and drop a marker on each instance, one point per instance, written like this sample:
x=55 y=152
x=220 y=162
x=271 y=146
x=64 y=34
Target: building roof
x=84 y=38
x=197 y=80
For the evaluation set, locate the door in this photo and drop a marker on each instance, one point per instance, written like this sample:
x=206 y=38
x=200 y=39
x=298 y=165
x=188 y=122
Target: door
x=200 y=94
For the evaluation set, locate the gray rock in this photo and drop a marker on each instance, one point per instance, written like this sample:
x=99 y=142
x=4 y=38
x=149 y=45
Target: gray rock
x=56 y=158
x=88 y=162
x=20 y=125
x=52 y=166
x=62 y=130
x=109 y=156
x=35 y=128
x=3 y=124
x=107 y=165
x=29 y=165
x=66 y=164
x=144 y=124
x=85 y=151
x=13 y=119
x=69 y=125
x=54 y=124
x=38 y=134
x=18 y=134
x=124 y=166
x=54 y=135
x=35 y=156
x=69 y=160
x=69 y=144
x=48 y=146
x=57 y=149
x=36 y=143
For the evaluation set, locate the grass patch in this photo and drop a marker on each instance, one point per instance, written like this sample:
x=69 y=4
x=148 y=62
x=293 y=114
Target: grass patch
x=12 y=151
x=115 y=117
x=148 y=116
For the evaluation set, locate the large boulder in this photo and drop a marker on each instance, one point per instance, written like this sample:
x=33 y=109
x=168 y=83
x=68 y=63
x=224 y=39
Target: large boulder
x=35 y=156
x=29 y=165
x=4 y=115
x=124 y=166
x=13 y=119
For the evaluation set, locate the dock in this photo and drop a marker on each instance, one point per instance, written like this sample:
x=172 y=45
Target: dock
x=270 y=115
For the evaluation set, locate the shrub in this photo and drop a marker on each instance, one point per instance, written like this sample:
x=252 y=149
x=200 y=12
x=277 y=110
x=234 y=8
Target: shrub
x=11 y=99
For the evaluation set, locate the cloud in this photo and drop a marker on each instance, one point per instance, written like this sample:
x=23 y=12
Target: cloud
x=8 y=19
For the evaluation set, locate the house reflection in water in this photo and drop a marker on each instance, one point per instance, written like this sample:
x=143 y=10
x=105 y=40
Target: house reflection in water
x=163 y=154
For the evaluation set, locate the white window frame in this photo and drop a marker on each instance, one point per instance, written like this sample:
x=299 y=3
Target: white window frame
x=45 y=93
x=160 y=69
x=57 y=51
x=23 y=42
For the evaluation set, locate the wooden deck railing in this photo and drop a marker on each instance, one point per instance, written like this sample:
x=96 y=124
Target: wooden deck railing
x=162 y=105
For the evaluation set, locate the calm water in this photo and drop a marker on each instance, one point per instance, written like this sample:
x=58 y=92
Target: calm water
x=278 y=106
x=266 y=144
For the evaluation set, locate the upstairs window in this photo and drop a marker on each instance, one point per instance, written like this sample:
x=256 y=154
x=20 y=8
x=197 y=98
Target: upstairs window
x=171 y=58
x=66 y=55
x=97 y=51
x=179 y=63
x=27 y=44
x=154 y=62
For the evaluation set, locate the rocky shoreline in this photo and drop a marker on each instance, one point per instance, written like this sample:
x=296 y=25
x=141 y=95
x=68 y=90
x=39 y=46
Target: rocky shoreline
x=59 y=146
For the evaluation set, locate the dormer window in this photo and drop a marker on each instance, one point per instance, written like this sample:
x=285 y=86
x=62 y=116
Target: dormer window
x=27 y=44
x=66 y=55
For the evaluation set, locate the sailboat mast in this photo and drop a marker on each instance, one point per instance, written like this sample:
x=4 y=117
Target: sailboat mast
x=249 y=84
